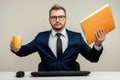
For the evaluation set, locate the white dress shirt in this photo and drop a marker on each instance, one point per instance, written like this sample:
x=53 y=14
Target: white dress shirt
x=64 y=38
x=53 y=41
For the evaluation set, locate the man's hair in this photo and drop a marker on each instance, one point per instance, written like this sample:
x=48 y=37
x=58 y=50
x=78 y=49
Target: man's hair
x=56 y=7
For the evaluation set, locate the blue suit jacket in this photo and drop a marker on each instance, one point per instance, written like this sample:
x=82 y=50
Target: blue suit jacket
x=76 y=45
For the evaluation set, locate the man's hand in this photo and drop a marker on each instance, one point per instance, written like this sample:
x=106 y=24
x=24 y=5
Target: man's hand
x=100 y=37
x=12 y=48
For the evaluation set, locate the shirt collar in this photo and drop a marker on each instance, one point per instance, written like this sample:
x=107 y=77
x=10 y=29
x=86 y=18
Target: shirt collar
x=64 y=33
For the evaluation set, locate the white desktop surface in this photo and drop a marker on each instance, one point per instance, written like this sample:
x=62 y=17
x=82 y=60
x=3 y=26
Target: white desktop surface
x=92 y=76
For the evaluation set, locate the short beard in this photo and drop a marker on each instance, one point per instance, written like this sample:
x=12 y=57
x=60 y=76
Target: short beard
x=58 y=29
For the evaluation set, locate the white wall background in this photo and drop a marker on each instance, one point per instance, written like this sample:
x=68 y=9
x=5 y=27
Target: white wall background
x=28 y=17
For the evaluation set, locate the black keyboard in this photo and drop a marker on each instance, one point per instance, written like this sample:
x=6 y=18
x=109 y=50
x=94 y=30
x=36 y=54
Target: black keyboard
x=59 y=73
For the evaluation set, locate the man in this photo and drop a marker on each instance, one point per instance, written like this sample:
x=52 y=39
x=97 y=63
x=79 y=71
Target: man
x=70 y=44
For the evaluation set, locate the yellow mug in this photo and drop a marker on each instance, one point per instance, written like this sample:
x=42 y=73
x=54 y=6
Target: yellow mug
x=17 y=42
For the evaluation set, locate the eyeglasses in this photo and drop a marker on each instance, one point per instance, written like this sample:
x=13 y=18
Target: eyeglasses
x=61 y=18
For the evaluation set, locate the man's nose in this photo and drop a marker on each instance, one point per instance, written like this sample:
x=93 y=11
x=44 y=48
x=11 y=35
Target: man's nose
x=57 y=19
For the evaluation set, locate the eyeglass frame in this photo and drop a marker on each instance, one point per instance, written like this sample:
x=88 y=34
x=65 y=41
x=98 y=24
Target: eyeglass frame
x=54 y=18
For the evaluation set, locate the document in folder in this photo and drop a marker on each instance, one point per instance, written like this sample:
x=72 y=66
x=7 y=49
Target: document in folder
x=101 y=18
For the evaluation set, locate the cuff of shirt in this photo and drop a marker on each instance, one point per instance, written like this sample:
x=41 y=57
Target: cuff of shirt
x=15 y=51
x=98 y=48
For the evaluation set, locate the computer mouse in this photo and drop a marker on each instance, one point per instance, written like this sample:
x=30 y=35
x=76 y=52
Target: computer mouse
x=20 y=74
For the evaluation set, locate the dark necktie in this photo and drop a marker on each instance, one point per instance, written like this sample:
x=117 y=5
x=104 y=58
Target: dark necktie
x=59 y=46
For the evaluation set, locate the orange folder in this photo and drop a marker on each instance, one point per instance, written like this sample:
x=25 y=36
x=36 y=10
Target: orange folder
x=101 y=18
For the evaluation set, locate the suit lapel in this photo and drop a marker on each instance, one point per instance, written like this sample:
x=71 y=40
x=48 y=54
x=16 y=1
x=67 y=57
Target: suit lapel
x=46 y=40
x=70 y=41
x=70 y=37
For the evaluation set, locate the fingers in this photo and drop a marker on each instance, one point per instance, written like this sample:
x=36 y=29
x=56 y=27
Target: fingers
x=100 y=36
x=12 y=48
x=11 y=44
x=100 y=33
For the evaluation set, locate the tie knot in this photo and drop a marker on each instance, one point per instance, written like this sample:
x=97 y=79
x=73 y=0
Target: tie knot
x=58 y=34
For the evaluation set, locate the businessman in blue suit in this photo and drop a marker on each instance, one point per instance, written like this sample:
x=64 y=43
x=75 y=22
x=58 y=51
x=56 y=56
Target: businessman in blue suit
x=61 y=54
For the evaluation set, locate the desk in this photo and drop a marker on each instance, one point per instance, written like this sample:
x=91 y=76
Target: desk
x=92 y=76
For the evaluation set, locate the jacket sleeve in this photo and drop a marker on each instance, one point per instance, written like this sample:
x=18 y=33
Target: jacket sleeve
x=89 y=53
x=27 y=49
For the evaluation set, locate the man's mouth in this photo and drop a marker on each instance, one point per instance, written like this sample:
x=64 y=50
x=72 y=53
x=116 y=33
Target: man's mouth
x=57 y=24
